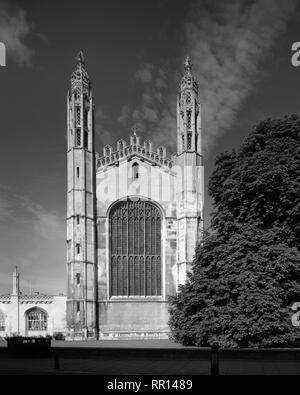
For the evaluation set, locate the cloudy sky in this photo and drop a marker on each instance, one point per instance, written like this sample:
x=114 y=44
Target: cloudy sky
x=241 y=51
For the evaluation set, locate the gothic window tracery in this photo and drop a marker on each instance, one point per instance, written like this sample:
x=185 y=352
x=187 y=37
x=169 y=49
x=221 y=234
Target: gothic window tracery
x=86 y=139
x=189 y=119
x=78 y=137
x=78 y=115
x=189 y=142
x=188 y=98
x=85 y=118
x=135 y=249
x=36 y=320
x=76 y=95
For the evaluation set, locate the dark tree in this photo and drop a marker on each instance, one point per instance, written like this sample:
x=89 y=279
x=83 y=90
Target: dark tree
x=246 y=275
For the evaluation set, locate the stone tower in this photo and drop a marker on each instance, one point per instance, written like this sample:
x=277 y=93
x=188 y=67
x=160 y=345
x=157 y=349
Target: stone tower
x=132 y=243
x=190 y=171
x=81 y=224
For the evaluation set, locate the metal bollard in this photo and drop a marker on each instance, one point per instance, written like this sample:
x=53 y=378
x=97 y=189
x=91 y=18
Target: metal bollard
x=215 y=369
x=56 y=361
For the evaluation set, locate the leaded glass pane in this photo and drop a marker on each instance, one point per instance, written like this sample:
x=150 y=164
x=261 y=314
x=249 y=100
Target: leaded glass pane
x=135 y=249
x=36 y=320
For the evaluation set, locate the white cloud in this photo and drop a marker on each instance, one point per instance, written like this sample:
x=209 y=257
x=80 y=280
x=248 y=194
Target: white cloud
x=124 y=114
x=14 y=29
x=20 y=209
x=155 y=114
x=32 y=238
x=101 y=121
x=144 y=74
x=227 y=42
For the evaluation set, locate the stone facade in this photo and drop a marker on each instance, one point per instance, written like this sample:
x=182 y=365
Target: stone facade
x=135 y=216
x=31 y=315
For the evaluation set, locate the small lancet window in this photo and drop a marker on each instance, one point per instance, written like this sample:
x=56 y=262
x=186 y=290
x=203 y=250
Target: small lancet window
x=135 y=171
x=77 y=172
x=189 y=142
x=189 y=119
x=78 y=278
x=77 y=219
x=86 y=139
x=85 y=118
x=188 y=98
x=78 y=249
x=183 y=143
x=78 y=137
x=77 y=311
x=78 y=116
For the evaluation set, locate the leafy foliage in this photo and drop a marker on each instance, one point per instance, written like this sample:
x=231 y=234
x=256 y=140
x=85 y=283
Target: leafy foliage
x=246 y=275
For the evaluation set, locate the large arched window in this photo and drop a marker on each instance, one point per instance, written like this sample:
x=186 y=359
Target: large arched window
x=36 y=320
x=2 y=321
x=135 y=249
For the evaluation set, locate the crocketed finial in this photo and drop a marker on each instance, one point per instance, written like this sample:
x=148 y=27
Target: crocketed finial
x=134 y=130
x=188 y=64
x=80 y=58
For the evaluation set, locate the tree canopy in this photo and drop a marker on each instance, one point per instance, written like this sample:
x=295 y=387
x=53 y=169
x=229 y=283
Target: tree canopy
x=246 y=273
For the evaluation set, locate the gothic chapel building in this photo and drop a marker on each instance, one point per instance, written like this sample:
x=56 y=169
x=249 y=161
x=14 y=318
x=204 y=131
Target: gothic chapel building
x=135 y=216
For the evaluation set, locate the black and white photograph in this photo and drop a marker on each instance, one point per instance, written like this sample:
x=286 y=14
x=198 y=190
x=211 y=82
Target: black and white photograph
x=150 y=190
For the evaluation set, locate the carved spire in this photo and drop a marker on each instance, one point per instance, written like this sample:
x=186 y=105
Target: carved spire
x=188 y=80
x=188 y=112
x=134 y=130
x=188 y=64
x=80 y=79
x=134 y=139
x=80 y=58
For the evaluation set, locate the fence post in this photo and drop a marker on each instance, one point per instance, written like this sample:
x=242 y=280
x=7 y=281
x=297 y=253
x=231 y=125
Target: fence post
x=56 y=361
x=215 y=368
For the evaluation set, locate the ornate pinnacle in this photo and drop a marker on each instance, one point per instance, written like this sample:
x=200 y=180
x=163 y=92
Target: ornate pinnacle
x=80 y=58
x=134 y=130
x=188 y=64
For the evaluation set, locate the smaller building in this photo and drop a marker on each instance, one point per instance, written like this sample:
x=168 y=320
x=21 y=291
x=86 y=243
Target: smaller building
x=33 y=315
